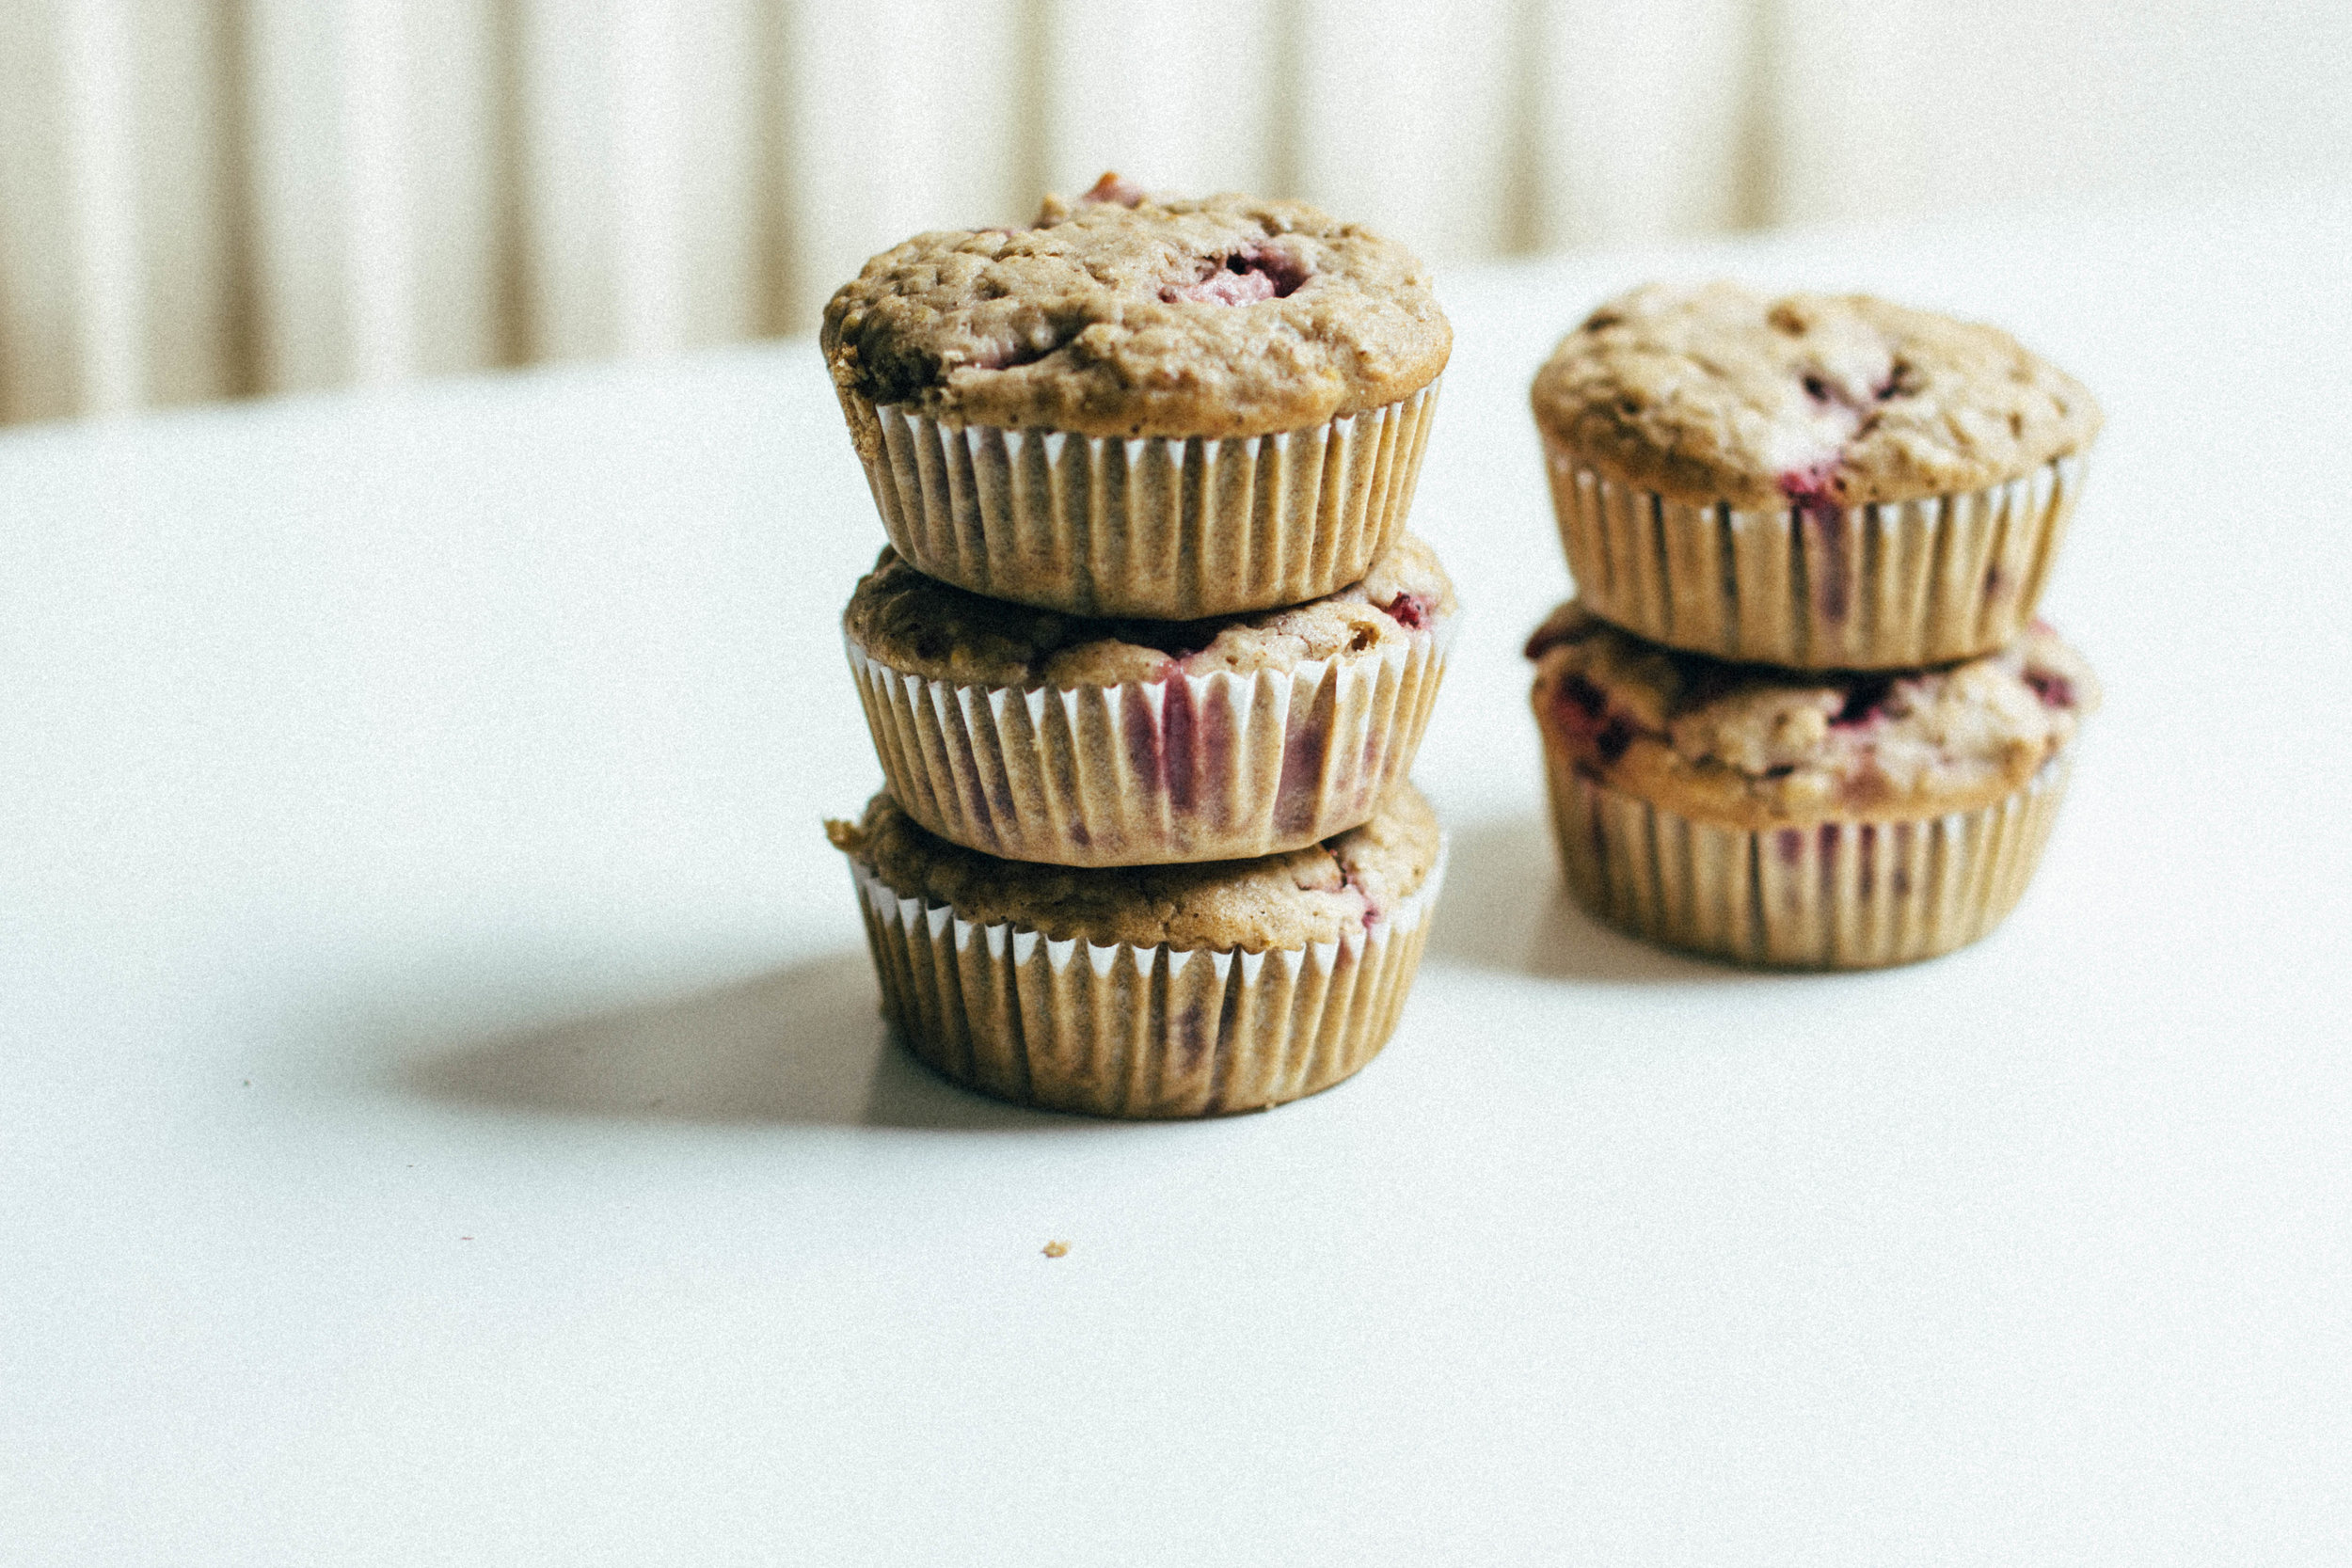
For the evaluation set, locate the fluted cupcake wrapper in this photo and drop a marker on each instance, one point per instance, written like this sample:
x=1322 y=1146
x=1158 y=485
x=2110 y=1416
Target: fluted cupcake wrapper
x=1158 y=529
x=1197 y=767
x=1137 y=1031
x=1827 y=896
x=1881 y=586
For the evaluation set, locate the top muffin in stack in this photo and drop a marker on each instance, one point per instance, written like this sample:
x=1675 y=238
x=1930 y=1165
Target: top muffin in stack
x=1145 y=468
x=1168 y=409
x=1817 y=502
x=1815 y=481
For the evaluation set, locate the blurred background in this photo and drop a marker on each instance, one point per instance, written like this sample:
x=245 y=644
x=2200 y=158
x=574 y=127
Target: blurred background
x=208 y=199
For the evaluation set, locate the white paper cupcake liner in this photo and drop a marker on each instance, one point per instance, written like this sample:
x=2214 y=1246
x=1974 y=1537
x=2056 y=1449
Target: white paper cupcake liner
x=1826 y=895
x=1874 y=587
x=1199 y=767
x=1137 y=1031
x=1159 y=529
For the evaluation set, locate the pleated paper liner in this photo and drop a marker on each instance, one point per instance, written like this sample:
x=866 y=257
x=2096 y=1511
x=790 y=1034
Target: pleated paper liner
x=1140 y=1033
x=1875 y=587
x=1198 y=768
x=1827 y=896
x=1158 y=529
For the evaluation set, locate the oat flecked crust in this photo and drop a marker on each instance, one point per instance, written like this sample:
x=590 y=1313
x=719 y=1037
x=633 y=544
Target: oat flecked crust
x=1805 y=821
x=1134 y=315
x=1721 y=394
x=1176 y=992
x=1040 y=736
x=919 y=625
x=1757 y=748
x=1327 y=892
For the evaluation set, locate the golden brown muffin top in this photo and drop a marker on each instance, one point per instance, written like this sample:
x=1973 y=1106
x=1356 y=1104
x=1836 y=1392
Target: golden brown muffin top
x=1341 y=888
x=1759 y=747
x=922 y=626
x=1127 y=315
x=1717 y=393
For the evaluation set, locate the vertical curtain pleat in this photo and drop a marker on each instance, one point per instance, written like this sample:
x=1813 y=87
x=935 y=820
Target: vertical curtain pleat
x=206 y=198
x=907 y=114
x=1829 y=60
x=720 y=95
x=1211 y=120
x=70 y=309
x=97 y=80
x=1404 y=118
x=457 y=187
x=1647 y=119
x=642 y=141
x=185 y=144
x=297 y=168
x=39 y=373
x=568 y=111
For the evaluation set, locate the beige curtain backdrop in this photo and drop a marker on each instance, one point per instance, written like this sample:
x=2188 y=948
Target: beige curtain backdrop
x=202 y=199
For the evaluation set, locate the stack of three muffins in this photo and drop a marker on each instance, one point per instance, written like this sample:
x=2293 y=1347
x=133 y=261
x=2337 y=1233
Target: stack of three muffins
x=1799 y=712
x=1150 y=654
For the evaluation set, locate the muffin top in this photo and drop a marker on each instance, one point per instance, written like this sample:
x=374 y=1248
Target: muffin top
x=1342 y=887
x=1128 y=314
x=1715 y=393
x=920 y=626
x=1759 y=747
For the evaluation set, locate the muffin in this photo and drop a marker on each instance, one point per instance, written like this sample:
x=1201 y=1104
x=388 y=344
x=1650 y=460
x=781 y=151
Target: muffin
x=1177 y=991
x=1819 y=482
x=1833 y=821
x=1142 y=406
x=1043 y=737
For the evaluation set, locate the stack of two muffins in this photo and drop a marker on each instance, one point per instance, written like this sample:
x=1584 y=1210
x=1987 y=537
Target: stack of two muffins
x=1800 y=712
x=1150 y=654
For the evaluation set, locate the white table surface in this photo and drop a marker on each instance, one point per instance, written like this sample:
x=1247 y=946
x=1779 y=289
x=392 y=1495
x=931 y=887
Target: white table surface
x=443 y=1117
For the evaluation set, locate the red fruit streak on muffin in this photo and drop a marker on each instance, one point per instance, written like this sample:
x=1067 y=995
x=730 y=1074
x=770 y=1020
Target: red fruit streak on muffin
x=1245 y=278
x=1222 y=288
x=1182 y=743
x=1301 y=789
x=1789 y=844
x=1813 y=492
x=1865 y=705
x=1582 y=710
x=1413 y=611
x=2053 y=689
x=1180 y=733
x=1192 y=1034
x=1349 y=884
x=1813 y=487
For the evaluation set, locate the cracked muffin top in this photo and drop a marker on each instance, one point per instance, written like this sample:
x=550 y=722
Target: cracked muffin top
x=1133 y=315
x=919 y=625
x=1759 y=747
x=1342 y=887
x=1717 y=393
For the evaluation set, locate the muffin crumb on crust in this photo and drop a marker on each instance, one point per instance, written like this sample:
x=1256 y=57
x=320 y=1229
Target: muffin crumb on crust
x=1341 y=888
x=921 y=626
x=1719 y=393
x=1128 y=314
x=1759 y=747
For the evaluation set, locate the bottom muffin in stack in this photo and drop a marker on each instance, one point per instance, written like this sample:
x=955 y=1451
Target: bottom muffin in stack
x=1149 y=991
x=1809 y=819
x=1148 y=869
